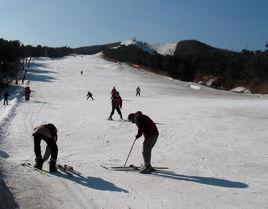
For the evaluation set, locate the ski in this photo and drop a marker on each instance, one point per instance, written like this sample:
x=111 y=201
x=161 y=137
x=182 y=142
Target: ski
x=71 y=170
x=64 y=170
x=29 y=165
x=124 y=120
x=131 y=168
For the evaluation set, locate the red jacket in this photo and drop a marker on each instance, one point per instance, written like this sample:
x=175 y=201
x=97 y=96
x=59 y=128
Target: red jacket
x=116 y=101
x=146 y=126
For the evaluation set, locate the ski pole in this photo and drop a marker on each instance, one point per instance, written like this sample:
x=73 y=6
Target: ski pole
x=129 y=152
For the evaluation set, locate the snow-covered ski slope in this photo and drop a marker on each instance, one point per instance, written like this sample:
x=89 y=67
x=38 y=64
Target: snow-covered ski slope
x=215 y=142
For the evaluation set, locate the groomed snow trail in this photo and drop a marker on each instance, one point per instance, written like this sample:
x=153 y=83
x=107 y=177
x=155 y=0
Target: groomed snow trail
x=215 y=142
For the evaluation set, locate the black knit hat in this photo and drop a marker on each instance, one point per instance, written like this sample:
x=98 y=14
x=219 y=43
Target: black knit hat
x=131 y=116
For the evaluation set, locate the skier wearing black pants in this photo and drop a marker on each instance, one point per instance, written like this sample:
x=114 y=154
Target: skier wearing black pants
x=48 y=133
x=138 y=91
x=89 y=95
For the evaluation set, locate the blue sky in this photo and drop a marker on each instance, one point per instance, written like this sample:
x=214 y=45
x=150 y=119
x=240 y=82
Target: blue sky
x=229 y=24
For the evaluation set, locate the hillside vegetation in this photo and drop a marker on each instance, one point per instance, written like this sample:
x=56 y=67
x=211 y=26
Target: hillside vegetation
x=198 y=62
x=89 y=50
x=15 y=59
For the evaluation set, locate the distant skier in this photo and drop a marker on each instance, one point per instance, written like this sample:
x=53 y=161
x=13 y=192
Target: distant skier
x=148 y=128
x=138 y=91
x=23 y=78
x=116 y=105
x=48 y=133
x=89 y=95
x=27 y=93
x=6 y=95
x=81 y=72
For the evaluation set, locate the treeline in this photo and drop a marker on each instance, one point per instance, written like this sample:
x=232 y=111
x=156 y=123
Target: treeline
x=170 y=65
x=89 y=50
x=15 y=57
x=226 y=69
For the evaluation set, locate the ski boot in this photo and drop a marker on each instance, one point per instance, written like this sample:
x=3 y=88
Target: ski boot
x=52 y=165
x=39 y=163
x=146 y=170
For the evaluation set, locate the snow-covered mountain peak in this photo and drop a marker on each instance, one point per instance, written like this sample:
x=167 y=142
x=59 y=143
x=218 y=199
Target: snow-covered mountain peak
x=163 y=49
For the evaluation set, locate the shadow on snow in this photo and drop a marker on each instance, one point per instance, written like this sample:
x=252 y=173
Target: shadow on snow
x=203 y=180
x=92 y=182
x=3 y=154
x=40 y=77
x=35 y=70
x=37 y=74
x=7 y=199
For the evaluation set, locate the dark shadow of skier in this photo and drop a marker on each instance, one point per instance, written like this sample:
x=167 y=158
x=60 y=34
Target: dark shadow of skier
x=92 y=182
x=7 y=200
x=3 y=154
x=203 y=180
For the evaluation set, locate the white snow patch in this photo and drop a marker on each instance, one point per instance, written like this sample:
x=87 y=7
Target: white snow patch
x=241 y=90
x=144 y=46
x=7 y=112
x=165 y=49
x=195 y=87
x=210 y=82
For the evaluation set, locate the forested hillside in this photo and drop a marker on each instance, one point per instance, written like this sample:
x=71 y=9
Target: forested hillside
x=15 y=58
x=199 y=62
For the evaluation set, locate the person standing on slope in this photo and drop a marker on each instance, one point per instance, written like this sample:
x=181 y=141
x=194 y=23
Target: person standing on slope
x=116 y=105
x=138 y=91
x=89 y=95
x=27 y=93
x=6 y=95
x=48 y=133
x=148 y=128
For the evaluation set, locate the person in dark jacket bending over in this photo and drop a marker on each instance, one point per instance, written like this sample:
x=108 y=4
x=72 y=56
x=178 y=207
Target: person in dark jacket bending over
x=148 y=128
x=48 y=133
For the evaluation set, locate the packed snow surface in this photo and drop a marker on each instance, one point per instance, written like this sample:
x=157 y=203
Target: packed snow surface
x=215 y=143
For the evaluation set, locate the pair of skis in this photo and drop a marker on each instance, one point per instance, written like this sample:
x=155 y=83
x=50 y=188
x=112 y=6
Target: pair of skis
x=121 y=120
x=67 y=169
x=29 y=165
x=70 y=171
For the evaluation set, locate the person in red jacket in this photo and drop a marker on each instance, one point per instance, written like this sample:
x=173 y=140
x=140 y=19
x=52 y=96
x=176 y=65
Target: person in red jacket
x=150 y=132
x=116 y=105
